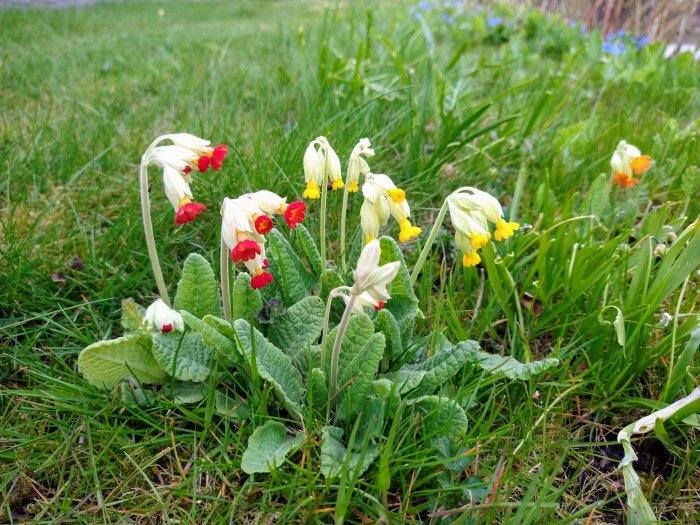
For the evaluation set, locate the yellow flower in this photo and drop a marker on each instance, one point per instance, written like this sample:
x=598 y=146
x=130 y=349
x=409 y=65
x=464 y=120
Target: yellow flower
x=505 y=229
x=383 y=198
x=357 y=165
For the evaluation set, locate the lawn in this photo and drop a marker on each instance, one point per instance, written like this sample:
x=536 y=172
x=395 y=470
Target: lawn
x=596 y=295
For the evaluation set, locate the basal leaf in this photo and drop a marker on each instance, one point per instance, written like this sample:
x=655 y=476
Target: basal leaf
x=358 y=363
x=132 y=316
x=186 y=392
x=336 y=460
x=246 y=301
x=441 y=415
x=183 y=356
x=386 y=324
x=197 y=291
x=300 y=327
x=442 y=366
x=507 y=366
x=308 y=248
x=227 y=404
x=213 y=337
x=268 y=446
x=293 y=280
x=104 y=363
x=318 y=385
x=272 y=364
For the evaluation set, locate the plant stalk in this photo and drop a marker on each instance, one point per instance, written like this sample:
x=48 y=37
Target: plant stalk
x=429 y=242
x=333 y=387
x=225 y=281
x=148 y=225
x=343 y=214
x=324 y=198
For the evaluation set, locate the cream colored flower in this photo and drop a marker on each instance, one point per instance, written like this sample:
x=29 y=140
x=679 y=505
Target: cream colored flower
x=320 y=161
x=383 y=198
x=357 y=165
x=159 y=316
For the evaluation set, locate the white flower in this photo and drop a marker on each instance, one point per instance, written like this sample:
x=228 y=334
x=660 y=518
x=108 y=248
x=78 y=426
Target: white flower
x=161 y=317
x=179 y=158
x=177 y=190
x=628 y=160
x=320 y=161
x=371 y=280
x=191 y=142
x=269 y=203
x=357 y=165
x=385 y=198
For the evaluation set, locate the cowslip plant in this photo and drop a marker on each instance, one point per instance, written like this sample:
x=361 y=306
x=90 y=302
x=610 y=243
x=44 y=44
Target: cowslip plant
x=273 y=339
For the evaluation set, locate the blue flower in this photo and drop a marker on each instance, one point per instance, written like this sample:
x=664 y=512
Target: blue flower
x=425 y=6
x=447 y=18
x=640 y=42
x=614 y=48
x=494 y=21
x=621 y=33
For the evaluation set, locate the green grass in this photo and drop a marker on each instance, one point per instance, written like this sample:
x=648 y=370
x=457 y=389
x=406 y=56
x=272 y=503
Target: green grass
x=83 y=92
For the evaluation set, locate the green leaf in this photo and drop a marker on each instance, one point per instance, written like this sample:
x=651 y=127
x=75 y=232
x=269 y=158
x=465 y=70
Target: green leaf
x=401 y=285
x=407 y=379
x=292 y=278
x=300 y=327
x=132 y=316
x=332 y=279
x=183 y=356
x=197 y=291
x=442 y=366
x=133 y=393
x=308 y=248
x=385 y=322
x=272 y=364
x=318 y=385
x=268 y=446
x=229 y=405
x=507 y=366
x=213 y=337
x=335 y=459
x=441 y=415
x=246 y=301
x=358 y=363
x=104 y=363
x=186 y=392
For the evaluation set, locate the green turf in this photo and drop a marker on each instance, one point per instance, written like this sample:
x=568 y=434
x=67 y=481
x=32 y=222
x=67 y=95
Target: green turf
x=83 y=92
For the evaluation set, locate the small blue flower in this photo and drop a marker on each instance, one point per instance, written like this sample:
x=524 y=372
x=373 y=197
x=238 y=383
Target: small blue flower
x=614 y=48
x=572 y=23
x=494 y=21
x=583 y=28
x=641 y=42
x=447 y=18
x=609 y=37
x=425 y=6
x=621 y=33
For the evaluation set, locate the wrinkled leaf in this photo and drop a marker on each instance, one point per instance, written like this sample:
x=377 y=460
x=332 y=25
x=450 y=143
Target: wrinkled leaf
x=308 y=248
x=441 y=415
x=246 y=301
x=132 y=316
x=335 y=458
x=104 y=363
x=443 y=365
x=229 y=405
x=197 y=291
x=290 y=274
x=507 y=366
x=183 y=356
x=213 y=337
x=268 y=446
x=186 y=392
x=300 y=327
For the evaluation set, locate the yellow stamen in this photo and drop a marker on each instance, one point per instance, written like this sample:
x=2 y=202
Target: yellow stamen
x=312 y=191
x=184 y=201
x=397 y=195
x=470 y=259
x=641 y=164
x=338 y=184
x=479 y=240
x=505 y=229
x=408 y=231
x=369 y=239
x=352 y=187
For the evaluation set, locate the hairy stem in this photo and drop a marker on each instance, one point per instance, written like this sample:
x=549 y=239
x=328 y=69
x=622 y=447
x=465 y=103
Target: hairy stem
x=225 y=280
x=429 y=242
x=335 y=357
x=324 y=198
x=343 y=213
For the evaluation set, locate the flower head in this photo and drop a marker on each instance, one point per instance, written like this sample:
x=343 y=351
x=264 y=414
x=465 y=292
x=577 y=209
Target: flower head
x=627 y=161
x=206 y=155
x=272 y=204
x=383 y=198
x=371 y=280
x=178 y=192
x=471 y=211
x=320 y=161
x=357 y=165
x=162 y=318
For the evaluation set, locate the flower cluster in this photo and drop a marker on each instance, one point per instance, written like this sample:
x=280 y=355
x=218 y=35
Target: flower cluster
x=357 y=165
x=627 y=161
x=160 y=317
x=371 y=280
x=616 y=43
x=178 y=160
x=246 y=220
x=383 y=198
x=321 y=163
x=471 y=210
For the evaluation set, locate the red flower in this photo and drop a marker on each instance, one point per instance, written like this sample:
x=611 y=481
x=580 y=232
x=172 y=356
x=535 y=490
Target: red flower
x=245 y=251
x=215 y=159
x=263 y=224
x=295 y=213
x=260 y=279
x=265 y=264
x=624 y=181
x=380 y=305
x=187 y=169
x=188 y=212
x=166 y=328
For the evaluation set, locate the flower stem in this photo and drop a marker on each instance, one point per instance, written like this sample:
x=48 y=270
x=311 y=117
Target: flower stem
x=343 y=213
x=335 y=357
x=324 y=198
x=332 y=295
x=148 y=227
x=225 y=281
x=429 y=242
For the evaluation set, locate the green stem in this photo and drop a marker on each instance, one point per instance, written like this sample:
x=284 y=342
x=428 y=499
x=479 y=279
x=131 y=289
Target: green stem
x=148 y=225
x=429 y=242
x=335 y=357
x=343 y=213
x=225 y=280
x=324 y=198
x=326 y=320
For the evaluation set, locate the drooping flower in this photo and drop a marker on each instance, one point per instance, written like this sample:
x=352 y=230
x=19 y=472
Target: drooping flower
x=357 y=165
x=178 y=192
x=626 y=162
x=206 y=155
x=159 y=316
x=471 y=211
x=256 y=267
x=383 y=198
x=321 y=161
x=238 y=230
x=372 y=280
x=272 y=204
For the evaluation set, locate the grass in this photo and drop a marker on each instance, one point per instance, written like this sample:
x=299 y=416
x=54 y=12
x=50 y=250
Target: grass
x=530 y=110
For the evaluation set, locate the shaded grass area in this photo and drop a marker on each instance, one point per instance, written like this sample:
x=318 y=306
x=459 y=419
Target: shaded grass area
x=529 y=109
